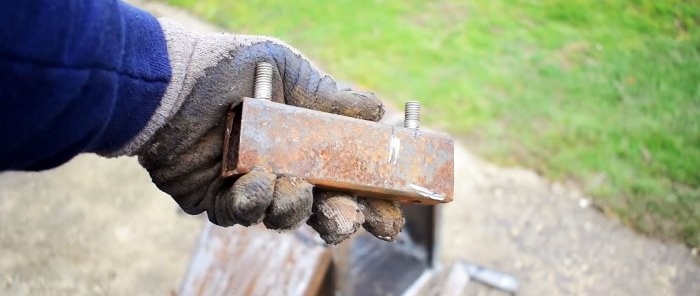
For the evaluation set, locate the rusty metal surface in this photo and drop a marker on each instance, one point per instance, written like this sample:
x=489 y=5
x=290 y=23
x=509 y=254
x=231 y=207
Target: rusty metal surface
x=423 y=225
x=256 y=261
x=376 y=267
x=341 y=153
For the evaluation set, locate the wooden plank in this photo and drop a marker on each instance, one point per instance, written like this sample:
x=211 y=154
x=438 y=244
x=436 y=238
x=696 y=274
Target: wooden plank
x=256 y=261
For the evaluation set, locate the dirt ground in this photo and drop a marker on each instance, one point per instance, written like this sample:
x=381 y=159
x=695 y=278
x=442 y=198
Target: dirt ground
x=553 y=241
x=99 y=227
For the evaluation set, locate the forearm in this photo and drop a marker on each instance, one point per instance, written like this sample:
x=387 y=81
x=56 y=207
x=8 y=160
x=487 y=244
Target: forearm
x=75 y=76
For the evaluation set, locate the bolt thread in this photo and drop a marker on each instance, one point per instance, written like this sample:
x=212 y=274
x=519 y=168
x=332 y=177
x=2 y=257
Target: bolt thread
x=263 y=81
x=412 y=115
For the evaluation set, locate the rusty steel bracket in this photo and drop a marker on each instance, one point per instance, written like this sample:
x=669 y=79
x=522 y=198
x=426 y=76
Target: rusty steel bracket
x=364 y=158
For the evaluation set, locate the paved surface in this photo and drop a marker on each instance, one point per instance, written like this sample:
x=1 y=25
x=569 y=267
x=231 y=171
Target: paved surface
x=91 y=227
x=97 y=226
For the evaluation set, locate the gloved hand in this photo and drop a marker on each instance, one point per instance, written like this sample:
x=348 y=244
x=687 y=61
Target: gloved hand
x=181 y=146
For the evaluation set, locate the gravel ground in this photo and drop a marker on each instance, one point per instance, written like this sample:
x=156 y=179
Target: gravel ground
x=99 y=227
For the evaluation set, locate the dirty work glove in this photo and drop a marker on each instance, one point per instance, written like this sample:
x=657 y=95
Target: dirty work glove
x=181 y=146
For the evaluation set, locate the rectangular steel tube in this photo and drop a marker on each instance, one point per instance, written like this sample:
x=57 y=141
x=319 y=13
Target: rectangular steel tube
x=341 y=153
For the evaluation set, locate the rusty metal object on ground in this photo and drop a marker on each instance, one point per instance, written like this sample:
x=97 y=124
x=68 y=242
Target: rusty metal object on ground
x=502 y=281
x=375 y=267
x=456 y=281
x=340 y=153
x=256 y=261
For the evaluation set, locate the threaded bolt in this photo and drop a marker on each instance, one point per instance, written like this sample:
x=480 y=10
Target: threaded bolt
x=412 y=115
x=263 y=81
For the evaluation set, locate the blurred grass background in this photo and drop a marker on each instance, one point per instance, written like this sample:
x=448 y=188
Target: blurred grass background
x=605 y=94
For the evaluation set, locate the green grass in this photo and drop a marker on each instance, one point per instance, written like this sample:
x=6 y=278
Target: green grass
x=602 y=93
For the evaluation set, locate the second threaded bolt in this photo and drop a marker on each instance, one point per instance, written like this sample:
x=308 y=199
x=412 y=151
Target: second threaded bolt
x=412 y=115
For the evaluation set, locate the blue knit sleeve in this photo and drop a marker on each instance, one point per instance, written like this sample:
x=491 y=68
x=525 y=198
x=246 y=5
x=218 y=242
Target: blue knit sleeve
x=75 y=76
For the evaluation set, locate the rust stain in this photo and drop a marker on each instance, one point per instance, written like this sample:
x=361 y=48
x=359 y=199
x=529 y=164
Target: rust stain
x=361 y=157
x=255 y=261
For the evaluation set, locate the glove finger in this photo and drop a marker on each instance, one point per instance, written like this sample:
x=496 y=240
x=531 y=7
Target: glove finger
x=335 y=216
x=245 y=202
x=383 y=218
x=291 y=203
x=218 y=210
x=304 y=85
x=362 y=105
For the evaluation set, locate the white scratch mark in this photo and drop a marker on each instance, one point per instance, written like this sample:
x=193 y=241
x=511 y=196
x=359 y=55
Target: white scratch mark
x=427 y=192
x=394 y=147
